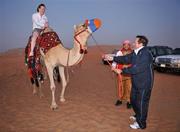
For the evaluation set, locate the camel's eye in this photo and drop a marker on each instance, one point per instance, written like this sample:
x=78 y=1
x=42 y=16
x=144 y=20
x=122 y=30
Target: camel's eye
x=84 y=25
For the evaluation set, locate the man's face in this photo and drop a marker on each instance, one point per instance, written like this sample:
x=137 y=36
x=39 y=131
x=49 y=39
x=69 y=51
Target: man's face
x=126 y=46
x=137 y=44
x=42 y=10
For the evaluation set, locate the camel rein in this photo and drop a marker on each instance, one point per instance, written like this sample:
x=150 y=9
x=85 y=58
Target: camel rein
x=102 y=53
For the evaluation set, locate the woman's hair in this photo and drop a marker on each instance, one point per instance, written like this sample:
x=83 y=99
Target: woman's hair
x=142 y=39
x=39 y=6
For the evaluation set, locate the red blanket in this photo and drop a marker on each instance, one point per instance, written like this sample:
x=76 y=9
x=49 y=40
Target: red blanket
x=46 y=41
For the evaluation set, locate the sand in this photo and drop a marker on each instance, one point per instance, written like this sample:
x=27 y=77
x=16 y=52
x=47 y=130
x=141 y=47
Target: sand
x=90 y=98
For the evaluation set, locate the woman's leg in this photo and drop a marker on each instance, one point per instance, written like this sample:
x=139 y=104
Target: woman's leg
x=33 y=42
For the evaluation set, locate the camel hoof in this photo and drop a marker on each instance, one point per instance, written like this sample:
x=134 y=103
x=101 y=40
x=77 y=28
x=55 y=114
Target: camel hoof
x=54 y=107
x=35 y=92
x=41 y=96
x=62 y=100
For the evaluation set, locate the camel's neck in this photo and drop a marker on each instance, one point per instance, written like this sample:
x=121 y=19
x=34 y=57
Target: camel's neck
x=74 y=56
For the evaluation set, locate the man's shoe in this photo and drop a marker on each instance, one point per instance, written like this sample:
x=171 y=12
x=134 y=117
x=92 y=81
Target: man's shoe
x=135 y=126
x=118 y=103
x=129 y=106
x=132 y=118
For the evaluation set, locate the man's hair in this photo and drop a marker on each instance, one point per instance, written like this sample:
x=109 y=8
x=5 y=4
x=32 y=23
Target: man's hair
x=39 y=6
x=142 y=39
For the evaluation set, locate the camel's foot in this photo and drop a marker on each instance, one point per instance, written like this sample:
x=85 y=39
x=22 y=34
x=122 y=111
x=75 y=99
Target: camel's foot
x=41 y=95
x=62 y=99
x=34 y=91
x=54 y=106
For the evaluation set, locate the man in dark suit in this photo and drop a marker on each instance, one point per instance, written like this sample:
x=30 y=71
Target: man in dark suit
x=142 y=79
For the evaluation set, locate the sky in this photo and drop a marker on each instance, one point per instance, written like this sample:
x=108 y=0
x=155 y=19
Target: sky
x=159 y=20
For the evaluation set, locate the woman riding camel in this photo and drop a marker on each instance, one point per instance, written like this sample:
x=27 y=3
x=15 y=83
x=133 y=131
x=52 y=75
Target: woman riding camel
x=40 y=22
x=124 y=84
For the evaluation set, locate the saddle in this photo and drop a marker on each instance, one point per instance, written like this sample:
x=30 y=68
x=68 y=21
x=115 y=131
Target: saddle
x=45 y=42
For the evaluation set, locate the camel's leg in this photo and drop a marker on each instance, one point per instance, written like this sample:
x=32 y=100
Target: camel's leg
x=52 y=86
x=34 y=90
x=40 y=90
x=34 y=86
x=64 y=83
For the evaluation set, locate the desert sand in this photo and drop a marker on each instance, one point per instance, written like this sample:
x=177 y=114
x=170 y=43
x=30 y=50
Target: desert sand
x=90 y=98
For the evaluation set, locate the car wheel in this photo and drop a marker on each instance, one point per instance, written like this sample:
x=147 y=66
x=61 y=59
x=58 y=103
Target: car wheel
x=104 y=62
x=161 y=70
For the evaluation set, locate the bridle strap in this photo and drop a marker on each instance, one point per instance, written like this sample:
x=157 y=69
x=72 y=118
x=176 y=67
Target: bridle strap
x=81 y=49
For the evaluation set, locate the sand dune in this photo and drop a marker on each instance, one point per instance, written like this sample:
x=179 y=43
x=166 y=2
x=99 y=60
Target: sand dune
x=90 y=99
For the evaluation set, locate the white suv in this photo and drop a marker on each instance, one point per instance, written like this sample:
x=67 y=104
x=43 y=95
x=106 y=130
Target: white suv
x=168 y=62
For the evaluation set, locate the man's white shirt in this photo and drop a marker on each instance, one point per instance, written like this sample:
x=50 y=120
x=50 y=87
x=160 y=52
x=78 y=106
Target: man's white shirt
x=38 y=20
x=137 y=50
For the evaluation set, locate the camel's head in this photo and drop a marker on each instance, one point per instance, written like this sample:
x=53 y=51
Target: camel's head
x=89 y=25
x=83 y=31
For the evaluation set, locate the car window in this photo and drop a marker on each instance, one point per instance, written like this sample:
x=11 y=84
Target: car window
x=153 y=51
x=169 y=51
x=176 y=52
x=164 y=51
x=161 y=51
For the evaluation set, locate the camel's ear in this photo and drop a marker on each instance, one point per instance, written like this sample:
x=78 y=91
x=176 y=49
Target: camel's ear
x=75 y=27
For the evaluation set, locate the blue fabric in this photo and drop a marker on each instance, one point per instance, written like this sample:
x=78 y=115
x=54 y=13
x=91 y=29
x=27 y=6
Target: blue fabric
x=92 y=26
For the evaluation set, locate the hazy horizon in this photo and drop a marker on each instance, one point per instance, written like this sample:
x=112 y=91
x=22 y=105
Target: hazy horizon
x=159 y=20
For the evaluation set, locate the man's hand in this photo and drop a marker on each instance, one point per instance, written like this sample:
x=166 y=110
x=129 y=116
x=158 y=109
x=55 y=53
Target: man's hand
x=118 y=71
x=109 y=58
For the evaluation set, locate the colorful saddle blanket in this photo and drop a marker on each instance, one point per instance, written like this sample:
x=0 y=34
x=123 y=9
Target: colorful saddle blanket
x=45 y=42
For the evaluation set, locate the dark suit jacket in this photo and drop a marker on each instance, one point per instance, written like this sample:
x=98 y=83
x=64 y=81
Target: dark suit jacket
x=141 y=69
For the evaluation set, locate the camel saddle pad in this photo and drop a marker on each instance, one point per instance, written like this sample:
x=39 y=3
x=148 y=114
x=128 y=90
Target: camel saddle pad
x=48 y=40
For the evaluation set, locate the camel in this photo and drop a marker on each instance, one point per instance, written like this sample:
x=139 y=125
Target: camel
x=62 y=57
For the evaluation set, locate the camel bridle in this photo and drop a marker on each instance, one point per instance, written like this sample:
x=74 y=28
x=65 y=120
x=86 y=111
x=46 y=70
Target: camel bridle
x=82 y=51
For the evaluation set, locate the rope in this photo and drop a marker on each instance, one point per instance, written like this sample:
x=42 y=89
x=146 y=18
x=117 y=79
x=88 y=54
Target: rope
x=100 y=49
x=120 y=85
x=102 y=53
